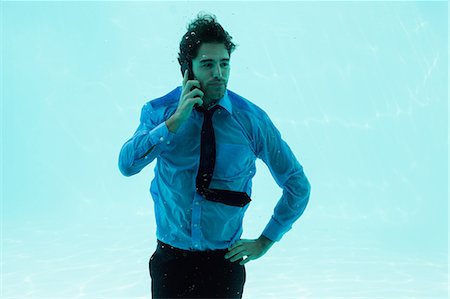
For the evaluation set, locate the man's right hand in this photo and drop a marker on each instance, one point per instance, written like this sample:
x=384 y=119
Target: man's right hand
x=187 y=101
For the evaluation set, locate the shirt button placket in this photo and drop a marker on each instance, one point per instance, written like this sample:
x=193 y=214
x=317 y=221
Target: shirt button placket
x=195 y=229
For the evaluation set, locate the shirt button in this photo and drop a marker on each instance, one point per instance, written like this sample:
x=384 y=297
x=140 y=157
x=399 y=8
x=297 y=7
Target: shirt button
x=161 y=138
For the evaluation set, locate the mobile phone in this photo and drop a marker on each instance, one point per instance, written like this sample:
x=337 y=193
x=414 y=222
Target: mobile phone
x=185 y=66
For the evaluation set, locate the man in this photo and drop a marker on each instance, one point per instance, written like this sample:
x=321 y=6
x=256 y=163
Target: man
x=206 y=139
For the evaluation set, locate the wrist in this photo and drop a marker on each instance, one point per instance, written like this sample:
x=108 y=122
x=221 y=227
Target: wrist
x=265 y=241
x=173 y=123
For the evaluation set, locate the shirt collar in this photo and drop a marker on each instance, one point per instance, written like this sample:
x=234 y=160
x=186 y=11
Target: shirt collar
x=225 y=102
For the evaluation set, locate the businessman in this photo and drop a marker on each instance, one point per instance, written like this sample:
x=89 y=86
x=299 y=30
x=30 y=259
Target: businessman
x=206 y=139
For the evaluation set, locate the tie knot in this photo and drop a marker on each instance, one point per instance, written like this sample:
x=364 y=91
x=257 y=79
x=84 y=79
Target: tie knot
x=206 y=111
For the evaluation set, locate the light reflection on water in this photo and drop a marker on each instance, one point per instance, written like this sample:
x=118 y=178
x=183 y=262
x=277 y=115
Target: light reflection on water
x=111 y=262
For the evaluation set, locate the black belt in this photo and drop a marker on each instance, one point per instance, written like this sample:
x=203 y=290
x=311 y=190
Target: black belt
x=228 y=197
x=177 y=251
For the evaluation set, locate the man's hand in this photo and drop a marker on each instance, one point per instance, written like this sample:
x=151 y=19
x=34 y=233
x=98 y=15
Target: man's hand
x=252 y=249
x=189 y=97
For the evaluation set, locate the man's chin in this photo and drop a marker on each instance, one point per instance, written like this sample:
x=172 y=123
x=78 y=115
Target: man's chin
x=215 y=96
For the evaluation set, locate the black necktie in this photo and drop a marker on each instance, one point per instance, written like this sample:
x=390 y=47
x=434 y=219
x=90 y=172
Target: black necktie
x=207 y=150
x=207 y=163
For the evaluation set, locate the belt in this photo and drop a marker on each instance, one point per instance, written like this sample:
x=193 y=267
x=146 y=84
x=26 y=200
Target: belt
x=177 y=251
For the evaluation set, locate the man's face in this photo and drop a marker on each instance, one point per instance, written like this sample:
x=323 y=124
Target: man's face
x=212 y=68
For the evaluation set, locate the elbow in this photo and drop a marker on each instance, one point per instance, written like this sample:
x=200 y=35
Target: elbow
x=307 y=188
x=125 y=163
x=126 y=170
x=303 y=187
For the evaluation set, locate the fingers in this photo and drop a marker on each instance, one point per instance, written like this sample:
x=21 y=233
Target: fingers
x=195 y=93
x=250 y=249
x=192 y=85
x=185 y=76
x=238 y=250
x=237 y=255
x=239 y=243
x=192 y=101
x=189 y=84
x=243 y=262
x=191 y=93
x=234 y=251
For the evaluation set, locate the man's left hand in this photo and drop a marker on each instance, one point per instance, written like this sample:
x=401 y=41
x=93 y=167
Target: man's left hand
x=251 y=249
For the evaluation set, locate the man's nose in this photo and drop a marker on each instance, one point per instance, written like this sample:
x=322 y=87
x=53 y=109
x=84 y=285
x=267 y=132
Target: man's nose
x=217 y=73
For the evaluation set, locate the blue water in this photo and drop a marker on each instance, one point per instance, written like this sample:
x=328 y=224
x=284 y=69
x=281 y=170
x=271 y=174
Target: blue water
x=358 y=90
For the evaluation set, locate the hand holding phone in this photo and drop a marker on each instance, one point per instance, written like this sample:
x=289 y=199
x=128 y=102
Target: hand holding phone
x=191 y=90
x=191 y=95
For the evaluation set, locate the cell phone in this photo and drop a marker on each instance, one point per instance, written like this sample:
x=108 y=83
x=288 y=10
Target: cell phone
x=185 y=66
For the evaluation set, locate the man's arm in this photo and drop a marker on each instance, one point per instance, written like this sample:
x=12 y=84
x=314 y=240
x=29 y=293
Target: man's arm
x=288 y=173
x=250 y=249
x=145 y=145
x=154 y=131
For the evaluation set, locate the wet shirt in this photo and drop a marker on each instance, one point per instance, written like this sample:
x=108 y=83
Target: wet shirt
x=244 y=133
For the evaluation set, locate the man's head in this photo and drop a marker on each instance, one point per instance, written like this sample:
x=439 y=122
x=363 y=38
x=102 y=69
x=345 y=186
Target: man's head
x=206 y=48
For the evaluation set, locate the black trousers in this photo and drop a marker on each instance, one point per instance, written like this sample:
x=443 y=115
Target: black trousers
x=177 y=273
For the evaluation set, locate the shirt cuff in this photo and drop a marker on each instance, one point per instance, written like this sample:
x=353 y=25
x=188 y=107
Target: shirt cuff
x=274 y=230
x=160 y=135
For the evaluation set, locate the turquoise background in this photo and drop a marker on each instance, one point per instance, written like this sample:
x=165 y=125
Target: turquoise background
x=359 y=90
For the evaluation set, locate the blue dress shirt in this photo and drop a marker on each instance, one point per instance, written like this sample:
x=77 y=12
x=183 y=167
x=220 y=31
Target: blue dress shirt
x=243 y=132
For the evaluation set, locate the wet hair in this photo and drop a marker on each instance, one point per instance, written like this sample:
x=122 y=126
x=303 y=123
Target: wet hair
x=204 y=29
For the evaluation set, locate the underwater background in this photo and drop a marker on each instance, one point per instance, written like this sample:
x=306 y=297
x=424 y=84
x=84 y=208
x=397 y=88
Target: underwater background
x=359 y=91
